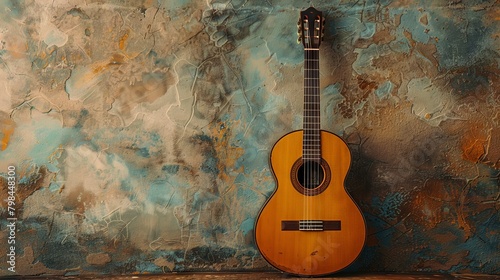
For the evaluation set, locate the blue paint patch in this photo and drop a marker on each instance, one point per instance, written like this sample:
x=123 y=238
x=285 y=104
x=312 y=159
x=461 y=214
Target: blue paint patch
x=171 y=169
x=410 y=21
x=143 y=152
x=159 y=192
x=50 y=137
x=11 y=11
x=249 y=196
x=384 y=89
x=210 y=165
x=53 y=186
x=247 y=226
x=251 y=160
x=369 y=30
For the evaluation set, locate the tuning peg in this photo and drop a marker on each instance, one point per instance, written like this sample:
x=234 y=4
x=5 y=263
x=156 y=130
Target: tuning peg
x=299 y=40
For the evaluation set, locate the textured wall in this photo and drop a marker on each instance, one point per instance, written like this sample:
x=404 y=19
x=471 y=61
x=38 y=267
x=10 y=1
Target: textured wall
x=140 y=130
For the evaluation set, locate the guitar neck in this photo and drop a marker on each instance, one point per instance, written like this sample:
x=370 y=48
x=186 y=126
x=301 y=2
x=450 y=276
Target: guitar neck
x=311 y=123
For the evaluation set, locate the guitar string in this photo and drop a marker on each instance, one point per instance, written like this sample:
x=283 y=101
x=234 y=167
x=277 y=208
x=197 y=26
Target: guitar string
x=304 y=135
x=306 y=167
x=309 y=97
x=310 y=140
x=304 y=154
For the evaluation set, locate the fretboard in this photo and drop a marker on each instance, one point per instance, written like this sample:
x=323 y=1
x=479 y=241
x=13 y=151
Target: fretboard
x=311 y=122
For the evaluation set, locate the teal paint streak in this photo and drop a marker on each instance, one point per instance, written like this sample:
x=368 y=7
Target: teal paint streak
x=384 y=89
x=369 y=30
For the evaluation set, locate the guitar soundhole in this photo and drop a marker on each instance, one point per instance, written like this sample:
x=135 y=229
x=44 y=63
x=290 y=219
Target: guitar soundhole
x=310 y=177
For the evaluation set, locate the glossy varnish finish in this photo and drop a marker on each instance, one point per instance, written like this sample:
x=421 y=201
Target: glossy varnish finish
x=310 y=252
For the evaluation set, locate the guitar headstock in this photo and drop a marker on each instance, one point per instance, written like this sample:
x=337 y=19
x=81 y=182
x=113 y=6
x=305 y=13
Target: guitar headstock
x=311 y=28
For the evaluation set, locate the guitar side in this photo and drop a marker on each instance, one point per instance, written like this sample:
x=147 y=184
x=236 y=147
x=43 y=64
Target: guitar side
x=303 y=252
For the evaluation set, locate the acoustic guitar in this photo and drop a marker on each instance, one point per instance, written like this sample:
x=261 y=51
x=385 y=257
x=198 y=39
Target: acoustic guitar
x=310 y=225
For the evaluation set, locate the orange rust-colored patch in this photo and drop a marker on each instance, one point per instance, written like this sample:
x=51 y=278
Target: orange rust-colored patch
x=7 y=131
x=225 y=150
x=123 y=40
x=473 y=145
x=99 y=68
x=366 y=85
x=472 y=150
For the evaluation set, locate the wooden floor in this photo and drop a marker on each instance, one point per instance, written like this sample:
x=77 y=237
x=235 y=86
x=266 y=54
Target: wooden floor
x=271 y=276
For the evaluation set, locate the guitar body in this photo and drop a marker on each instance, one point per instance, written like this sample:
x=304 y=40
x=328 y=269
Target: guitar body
x=310 y=251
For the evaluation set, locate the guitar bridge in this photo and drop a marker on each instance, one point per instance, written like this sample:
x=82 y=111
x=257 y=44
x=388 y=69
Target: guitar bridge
x=310 y=225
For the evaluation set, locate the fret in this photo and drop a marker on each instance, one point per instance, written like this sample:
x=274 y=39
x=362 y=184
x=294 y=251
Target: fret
x=312 y=82
x=312 y=142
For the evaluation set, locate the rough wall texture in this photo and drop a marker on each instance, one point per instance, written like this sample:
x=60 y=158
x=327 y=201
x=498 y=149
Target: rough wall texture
x=140 y=130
